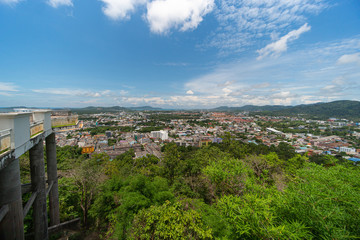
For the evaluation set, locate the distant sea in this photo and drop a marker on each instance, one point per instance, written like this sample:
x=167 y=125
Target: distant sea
x=6 y=109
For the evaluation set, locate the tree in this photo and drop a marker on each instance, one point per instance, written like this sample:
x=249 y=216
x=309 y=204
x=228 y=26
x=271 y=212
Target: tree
x=87 y=176
x=170 y=221
x=171 y=161
x=120 y=199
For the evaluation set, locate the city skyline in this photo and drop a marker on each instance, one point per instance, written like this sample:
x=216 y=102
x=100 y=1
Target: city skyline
x=178 y=54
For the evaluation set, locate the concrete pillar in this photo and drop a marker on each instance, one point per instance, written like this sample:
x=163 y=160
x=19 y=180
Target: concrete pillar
x=37 y=168
x=52 y=178
x=12 y=225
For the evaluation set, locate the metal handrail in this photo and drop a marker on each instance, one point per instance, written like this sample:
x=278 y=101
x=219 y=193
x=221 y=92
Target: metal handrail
x=5 y=133
x=36 y=123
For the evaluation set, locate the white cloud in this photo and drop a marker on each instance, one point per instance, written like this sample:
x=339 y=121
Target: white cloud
x=297 y=77
x=123 y=92
x=226 y=90
x=163 y=15
x=243 y=23
x=349 y=58
x=190 y=92
x=10 y=2
x=58 y=3
x=339 y=87
x=120 y=9
x=8 y=87
x=276 y=48
x=74 y=92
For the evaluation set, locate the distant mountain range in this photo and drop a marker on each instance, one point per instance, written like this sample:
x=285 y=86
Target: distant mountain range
x=145 y=108
x=93 y=110
x=250 y=108
x=337 y=109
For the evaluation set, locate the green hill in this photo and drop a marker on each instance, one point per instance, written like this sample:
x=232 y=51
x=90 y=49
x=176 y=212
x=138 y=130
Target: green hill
x=250 y=108
x=337 y=109
x=92 y=109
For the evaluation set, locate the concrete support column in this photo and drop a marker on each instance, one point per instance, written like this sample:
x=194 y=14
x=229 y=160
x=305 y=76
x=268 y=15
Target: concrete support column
x=52 y=179
x=38 y=184
x=12 y=225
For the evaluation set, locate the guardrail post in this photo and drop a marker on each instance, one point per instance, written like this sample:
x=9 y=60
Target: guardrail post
x=52 y=178
x=12 y=225
x=37 y=168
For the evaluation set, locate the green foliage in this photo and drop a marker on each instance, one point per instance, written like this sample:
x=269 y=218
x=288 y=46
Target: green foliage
x=111 y=142
x=168 y=117
x=230 y=190
x=86 y=177
x=171 y=161
x=152 y=128
x=67 y=155
x=342 y=109
x=326 y=200
x=252 y=217
x=203 y=123
x=170 y=221
x=69 y=199
x=125 y=165
x=228 y=175
x=119 y=200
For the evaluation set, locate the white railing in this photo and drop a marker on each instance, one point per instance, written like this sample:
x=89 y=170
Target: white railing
x=36 y=127
x=5 y=140
x=24 y=127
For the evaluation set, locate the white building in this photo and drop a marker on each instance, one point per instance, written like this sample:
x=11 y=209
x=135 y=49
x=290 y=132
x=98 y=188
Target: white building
x=273 y=130
x=163 y=135
x=347 y=150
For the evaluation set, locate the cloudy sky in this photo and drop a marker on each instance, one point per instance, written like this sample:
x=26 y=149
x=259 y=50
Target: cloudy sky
x=178 y=53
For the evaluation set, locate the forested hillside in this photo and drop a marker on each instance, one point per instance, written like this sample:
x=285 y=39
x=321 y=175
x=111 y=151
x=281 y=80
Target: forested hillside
x=224 y=191
x=339 y=109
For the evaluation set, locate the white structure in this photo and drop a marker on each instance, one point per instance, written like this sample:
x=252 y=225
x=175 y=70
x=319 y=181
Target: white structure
x=16 y=130
x=22 y=132
x=273 y=130
x=347 y=150
x=163 y=135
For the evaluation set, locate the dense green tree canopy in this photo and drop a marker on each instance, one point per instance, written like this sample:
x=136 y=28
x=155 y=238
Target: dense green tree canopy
x=230 y=190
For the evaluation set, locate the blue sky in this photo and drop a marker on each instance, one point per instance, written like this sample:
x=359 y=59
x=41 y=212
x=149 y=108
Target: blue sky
x=178 y=53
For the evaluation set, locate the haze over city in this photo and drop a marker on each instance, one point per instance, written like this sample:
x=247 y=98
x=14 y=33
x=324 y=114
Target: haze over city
x=178 y=54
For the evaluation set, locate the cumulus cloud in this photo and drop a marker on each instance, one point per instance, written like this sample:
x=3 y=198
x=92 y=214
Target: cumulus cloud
x=349 y=58
x=58 y=3
x=276 y=48
x=298 y=77
x=120 y=9
x=190 y=92
x=163 y=15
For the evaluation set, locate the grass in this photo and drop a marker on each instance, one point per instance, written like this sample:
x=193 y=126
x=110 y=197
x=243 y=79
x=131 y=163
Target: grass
x=66 y=125
x=5 y=150
x=36 y=133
